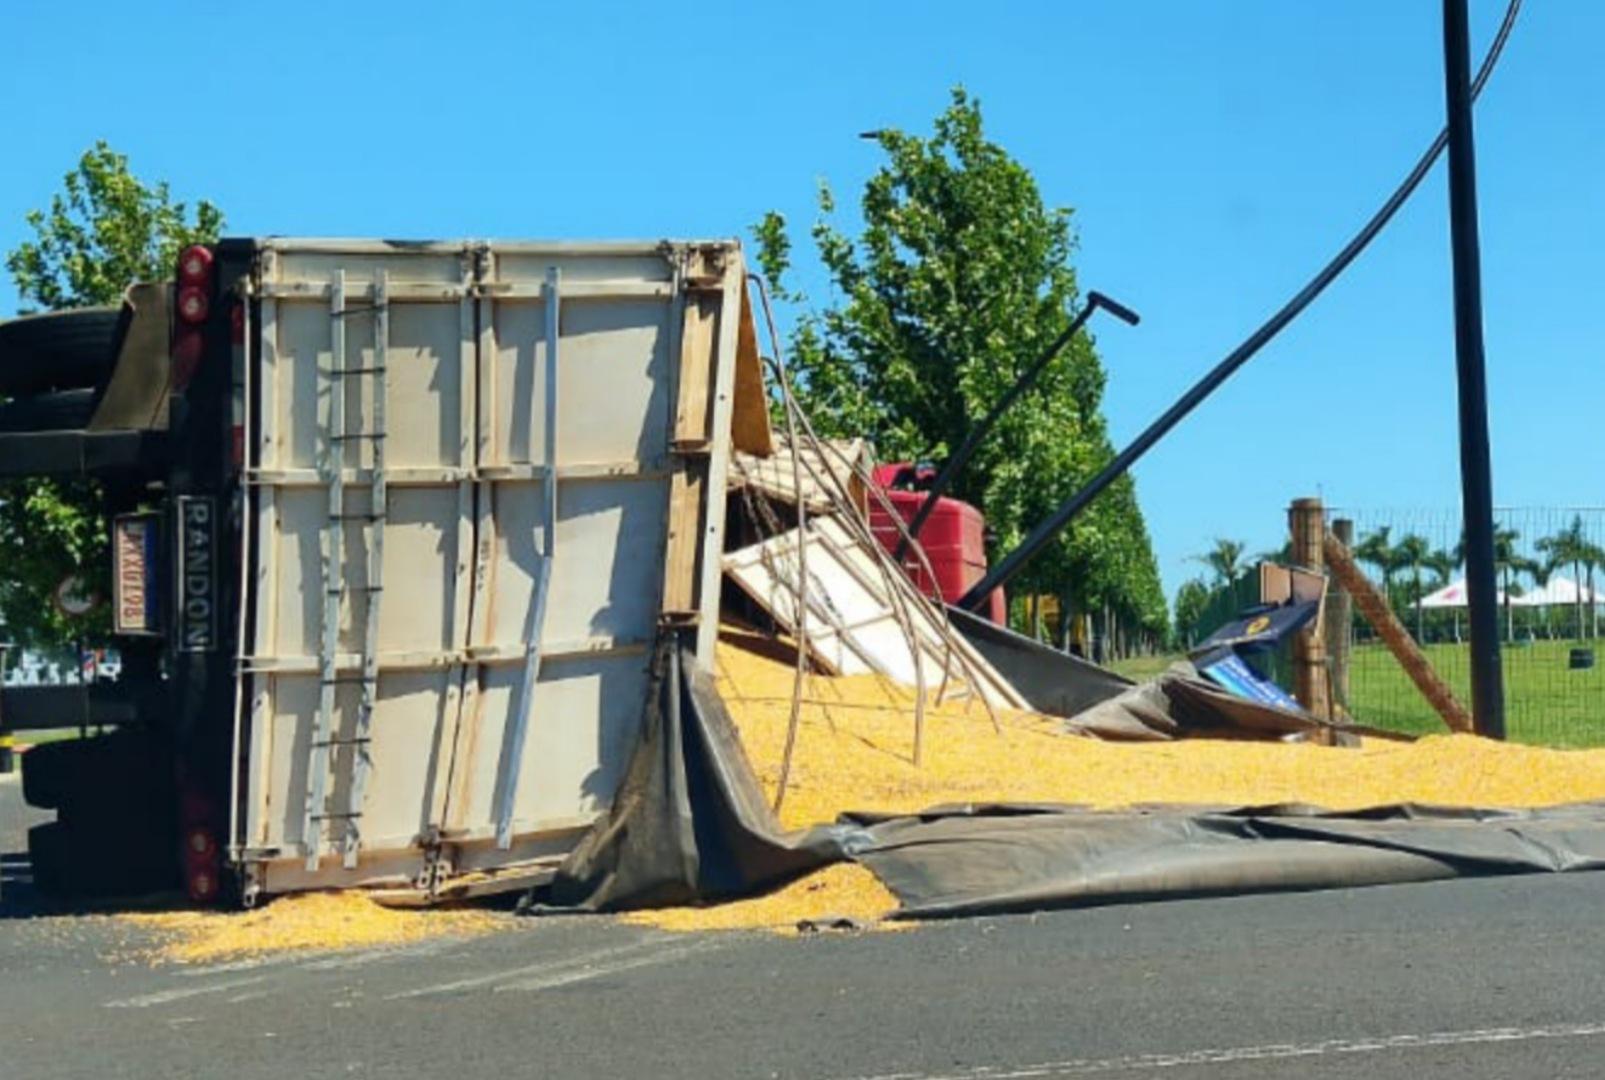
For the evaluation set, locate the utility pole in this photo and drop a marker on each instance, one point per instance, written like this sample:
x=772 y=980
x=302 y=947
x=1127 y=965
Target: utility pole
x=1476 y=471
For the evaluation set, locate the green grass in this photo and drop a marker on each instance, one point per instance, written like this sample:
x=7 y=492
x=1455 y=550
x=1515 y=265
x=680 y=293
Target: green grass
x=1138 y=668
x=1545 y=702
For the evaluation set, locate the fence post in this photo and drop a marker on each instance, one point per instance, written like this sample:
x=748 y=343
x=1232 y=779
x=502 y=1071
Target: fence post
x=1340 y=622
x=1374 y=606
x=1307 y=520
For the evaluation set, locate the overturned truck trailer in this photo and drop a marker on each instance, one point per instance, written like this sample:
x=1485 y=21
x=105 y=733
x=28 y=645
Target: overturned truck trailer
x=463 y=487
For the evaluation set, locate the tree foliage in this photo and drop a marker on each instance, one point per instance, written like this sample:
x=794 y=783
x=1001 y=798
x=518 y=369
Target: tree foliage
x=958 y=279
x=1225 y=561
x=1192 y=601
x=105 y=229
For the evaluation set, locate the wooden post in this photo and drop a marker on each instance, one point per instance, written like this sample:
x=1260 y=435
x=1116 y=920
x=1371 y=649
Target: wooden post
x=1374 y=606
x=1339 y=623
x=1307 y=520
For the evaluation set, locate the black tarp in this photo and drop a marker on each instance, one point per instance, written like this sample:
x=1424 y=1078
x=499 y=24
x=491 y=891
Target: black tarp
x=1096 y=701
x=991 y=859
x=1053 y=682
x=689 y=821
x=690 y=824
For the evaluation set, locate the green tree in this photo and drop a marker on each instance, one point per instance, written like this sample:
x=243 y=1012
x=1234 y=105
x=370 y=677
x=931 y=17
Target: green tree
x=1377 y=549
x=104 y=230
x=1413 y=552
x=958 y=279
x=1509 y=564
x=1570 y=547
x=1225 y=561
x=1192 y=600
x=1442 y=564
x=1593 y=559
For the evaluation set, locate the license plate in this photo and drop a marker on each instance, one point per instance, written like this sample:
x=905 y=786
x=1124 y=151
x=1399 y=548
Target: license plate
x=135 y=560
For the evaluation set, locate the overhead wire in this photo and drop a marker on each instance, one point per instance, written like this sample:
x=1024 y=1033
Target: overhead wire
x=1016 y=560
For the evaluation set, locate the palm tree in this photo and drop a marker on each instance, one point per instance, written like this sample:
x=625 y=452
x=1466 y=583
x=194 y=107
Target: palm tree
x=1569 y=547
x=1442 y=564
x=1507 y=564
x=1225 y=560
x=1593 y=556
x=1413 y=551
x=1377 y=549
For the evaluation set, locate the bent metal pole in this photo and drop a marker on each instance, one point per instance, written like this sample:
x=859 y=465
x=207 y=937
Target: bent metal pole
x=1476 y=478
x=972 y=440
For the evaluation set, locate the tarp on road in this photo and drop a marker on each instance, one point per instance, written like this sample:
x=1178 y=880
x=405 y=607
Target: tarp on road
x=690 y=824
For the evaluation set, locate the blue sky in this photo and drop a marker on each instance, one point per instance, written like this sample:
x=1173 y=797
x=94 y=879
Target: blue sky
x=1215 y=155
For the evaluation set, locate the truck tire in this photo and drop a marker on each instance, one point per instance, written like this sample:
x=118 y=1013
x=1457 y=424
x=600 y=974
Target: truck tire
x=45 y=772
x=122 y=769
x=59 y=350
x=61 y=410
x=47 y=855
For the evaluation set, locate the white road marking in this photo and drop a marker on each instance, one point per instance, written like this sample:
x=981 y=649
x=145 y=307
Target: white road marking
x=254 y=963
x=552 y=980
x=163 y=997
x=548 y=967
x=320 y=961
x=341 y=961
x=1268 y=1052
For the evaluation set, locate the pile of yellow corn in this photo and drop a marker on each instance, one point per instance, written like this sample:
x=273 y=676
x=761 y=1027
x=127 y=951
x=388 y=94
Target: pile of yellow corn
x=304 y=921
x=855 y=752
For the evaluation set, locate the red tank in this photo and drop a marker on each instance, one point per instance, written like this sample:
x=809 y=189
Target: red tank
x=954 y=537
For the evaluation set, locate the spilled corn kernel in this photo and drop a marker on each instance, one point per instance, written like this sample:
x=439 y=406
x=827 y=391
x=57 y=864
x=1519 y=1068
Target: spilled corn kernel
x=304 y=922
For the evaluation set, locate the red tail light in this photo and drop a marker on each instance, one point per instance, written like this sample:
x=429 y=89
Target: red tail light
x=193 y=304
x=195 y=265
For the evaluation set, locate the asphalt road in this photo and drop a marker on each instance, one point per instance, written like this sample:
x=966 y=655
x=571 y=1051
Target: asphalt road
x=1473 y=979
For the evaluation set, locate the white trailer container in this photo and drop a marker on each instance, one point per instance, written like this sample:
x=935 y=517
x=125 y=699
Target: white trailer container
x=480 y=479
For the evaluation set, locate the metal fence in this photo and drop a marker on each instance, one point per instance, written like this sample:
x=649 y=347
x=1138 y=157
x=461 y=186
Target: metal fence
x=1549 y=562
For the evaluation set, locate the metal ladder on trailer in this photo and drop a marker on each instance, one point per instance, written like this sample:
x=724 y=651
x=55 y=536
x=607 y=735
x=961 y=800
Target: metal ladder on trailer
x=325 y=737
x=512 y=755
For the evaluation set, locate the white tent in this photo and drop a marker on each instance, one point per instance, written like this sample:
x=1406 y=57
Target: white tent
x=1452 y=595
x=1558 y=590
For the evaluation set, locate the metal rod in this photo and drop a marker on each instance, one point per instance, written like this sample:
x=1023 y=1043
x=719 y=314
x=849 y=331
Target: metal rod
x=973 y=438
x=1044 y=533
x=1476 y=474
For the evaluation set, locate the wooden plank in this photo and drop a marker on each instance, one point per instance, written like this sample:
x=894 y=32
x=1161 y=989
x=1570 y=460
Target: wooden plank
x=852 y=627
x=750 y=429
x=698 y=336
x=1375 y=608
x=775 y=478
x=686 y=486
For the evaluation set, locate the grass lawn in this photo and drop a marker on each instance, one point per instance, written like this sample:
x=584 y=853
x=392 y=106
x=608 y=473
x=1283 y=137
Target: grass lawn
x=1138 y=668
x=1545 y=702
